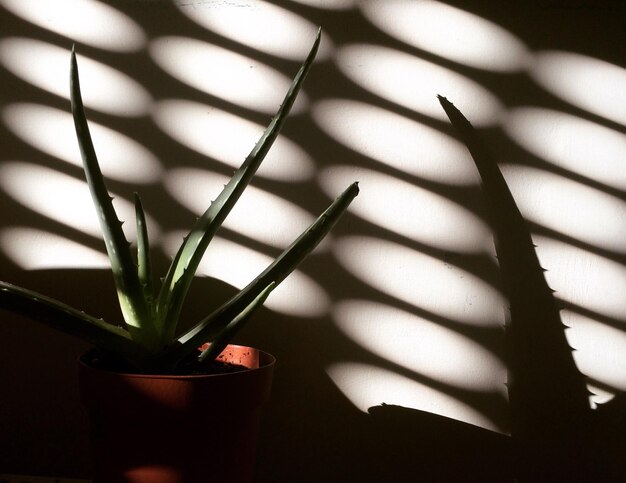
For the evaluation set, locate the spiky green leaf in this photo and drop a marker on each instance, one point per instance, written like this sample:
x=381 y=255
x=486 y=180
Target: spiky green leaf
x=209 y=328
x=180 y=275
x=129 y=289
x=144 y=263
x=67 y=319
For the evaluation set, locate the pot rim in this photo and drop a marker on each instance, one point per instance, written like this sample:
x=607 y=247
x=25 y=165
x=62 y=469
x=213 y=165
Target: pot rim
x=266 y=360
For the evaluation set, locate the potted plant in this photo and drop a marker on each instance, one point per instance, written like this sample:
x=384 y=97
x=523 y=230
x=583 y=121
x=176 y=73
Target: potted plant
x=159 y=411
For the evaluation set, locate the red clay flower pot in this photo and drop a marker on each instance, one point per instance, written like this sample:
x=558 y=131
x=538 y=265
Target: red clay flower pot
x=173 y=429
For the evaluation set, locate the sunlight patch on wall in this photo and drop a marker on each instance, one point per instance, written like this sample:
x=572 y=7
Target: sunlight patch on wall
x=225 y=74
x=600 y=351
x=258 y=214
x=52 y=131
x=583 y=278
x=299 y=295
x=421 y=280
x=572 y=143
x=409 y=210
x=569 y=207
x=414 y=83
x=33 y=249
x=259 y=25
x=395 y=141
x=46 y=66
x=367 y=386
x=420 y=345
x=448 y=32
x=591 y=84
x=228 y=138
x=63 y=198
x=88 y=21
x=599 y=395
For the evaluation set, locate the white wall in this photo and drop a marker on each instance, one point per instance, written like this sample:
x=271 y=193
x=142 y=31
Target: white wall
x=402 y=305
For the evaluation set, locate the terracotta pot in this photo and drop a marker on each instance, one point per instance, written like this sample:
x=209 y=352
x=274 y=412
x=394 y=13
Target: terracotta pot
x=172 y=429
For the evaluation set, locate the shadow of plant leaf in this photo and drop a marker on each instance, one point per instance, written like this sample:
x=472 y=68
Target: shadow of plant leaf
x=551 y=418
x=556 y=436
x=539 y=355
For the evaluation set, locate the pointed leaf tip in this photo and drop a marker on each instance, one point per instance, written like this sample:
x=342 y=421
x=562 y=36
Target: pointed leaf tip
x=443 y=101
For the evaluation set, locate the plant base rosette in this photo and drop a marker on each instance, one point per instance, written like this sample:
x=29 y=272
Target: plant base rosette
x=173 y=428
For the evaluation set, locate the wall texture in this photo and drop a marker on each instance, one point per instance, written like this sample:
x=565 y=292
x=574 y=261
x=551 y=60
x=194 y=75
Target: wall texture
x=403 y=305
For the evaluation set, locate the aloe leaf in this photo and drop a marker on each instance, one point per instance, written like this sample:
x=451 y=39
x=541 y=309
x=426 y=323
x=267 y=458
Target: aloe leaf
x=210 y=327
x=548 y=395
x=185 y=263
x=223 y=339
x=129 y=289
x=144 y=264
x=67 y=319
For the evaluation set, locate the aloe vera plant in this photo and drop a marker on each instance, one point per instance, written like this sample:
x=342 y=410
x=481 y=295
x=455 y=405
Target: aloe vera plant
x=148 y=341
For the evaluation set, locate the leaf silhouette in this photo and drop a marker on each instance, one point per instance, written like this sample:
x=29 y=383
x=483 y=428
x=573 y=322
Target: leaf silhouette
x=548 y=395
